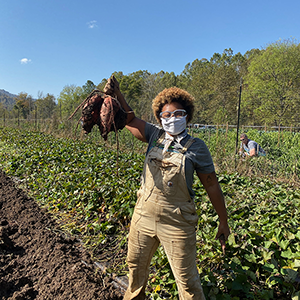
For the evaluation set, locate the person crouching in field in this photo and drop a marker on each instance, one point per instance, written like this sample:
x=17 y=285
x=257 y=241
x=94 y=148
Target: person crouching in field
x=165 y=211
x=250 y=148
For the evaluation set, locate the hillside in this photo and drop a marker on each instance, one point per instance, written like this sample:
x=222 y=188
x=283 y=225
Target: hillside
x=7 y=99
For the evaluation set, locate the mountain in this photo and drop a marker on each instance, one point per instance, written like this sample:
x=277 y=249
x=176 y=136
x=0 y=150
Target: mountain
x=7 y=99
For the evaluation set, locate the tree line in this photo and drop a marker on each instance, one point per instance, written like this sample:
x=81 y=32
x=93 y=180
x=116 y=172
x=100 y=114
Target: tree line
x=268 y=80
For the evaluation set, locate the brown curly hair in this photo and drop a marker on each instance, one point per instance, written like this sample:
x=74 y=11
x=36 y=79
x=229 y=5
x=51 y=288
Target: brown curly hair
x=173 y=94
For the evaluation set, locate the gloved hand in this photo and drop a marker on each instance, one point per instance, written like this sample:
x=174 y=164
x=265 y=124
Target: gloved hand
x=112 y=86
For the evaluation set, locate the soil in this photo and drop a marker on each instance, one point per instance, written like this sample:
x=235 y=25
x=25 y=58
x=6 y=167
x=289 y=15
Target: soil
x=37 y=260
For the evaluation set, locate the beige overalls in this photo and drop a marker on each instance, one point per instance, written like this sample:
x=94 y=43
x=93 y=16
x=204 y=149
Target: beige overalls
x=164 y=213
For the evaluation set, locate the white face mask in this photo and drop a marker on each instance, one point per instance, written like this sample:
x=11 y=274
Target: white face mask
x=174 y=125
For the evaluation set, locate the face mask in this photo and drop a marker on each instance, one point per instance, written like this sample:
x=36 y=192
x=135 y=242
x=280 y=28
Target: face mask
x=174 y=125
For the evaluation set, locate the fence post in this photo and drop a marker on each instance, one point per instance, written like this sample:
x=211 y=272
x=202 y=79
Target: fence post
x=238 y=120
x=217 y=138
x=35 y=115
x=226 y=131
x=278 y=136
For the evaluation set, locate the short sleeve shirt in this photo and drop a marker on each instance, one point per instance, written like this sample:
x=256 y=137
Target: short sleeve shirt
x=253 y=145
x=198 y=157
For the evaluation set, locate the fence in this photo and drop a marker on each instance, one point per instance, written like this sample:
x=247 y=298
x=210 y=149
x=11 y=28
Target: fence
x=281 y=143
x=38 y=123
x=245 y=127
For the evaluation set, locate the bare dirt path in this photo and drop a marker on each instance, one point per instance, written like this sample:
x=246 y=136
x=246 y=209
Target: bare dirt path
x=37 y=261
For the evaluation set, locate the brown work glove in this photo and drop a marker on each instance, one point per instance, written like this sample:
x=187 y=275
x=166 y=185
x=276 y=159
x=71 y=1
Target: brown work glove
x=112 y=86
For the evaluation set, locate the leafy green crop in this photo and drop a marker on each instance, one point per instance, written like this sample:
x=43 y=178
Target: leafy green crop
x=282 y=148
x=91 y=189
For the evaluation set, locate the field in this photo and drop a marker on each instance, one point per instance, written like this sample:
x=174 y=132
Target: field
x=90 y=189
x=37 y=259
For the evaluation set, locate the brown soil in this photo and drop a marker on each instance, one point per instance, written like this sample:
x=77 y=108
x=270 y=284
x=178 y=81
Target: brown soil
x=37 y=261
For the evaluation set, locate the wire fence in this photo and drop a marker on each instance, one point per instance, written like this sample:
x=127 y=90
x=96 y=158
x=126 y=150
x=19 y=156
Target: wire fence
x=245 y=127
x=50 y=122
x=282 y=144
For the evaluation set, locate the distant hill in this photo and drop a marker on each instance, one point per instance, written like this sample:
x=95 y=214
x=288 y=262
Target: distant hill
x=7 y=99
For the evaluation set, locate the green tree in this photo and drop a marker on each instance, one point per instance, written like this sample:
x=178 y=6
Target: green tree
x=2 y=110
x=196 y=79
x=225 y=83
x=168 y=79
x=45 y=106
x=88 y=88
x=131 y=86
x=24 y=105
x=69 y=99
x=214 y=84
x=102 y=84
x=225 y=86
x=273 y=85
x=151 y=86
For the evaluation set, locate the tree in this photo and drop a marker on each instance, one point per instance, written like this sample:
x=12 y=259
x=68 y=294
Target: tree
x=2 y=110
x=214 y=84
x=168 y=79
x=273 y=85
x=88 y=88
x=69 y=99
x=225 y=86
x=24 y=104
x=131 y=86
x=102 y=84
x=152 y=85
x=196 y=79
x=45 y=106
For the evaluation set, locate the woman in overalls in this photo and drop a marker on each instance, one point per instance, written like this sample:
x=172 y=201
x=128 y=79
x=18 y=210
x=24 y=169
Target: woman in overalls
x=165 y=212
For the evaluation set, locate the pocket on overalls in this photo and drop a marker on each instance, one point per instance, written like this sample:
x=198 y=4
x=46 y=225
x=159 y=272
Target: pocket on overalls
x=154 y=174
x=137 y=213
x=165 y=175
x=189 y=214
x=171 y=175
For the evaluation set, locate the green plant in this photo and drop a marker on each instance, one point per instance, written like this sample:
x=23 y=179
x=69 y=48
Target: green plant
x=91 y=189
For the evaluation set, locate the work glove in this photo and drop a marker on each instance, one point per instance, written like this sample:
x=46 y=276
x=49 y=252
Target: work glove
x=112 y=86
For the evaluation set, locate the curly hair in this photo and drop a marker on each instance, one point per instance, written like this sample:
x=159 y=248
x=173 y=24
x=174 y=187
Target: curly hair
x=173 y=94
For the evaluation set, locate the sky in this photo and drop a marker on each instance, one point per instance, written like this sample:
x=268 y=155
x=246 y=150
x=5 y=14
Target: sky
x=46 y=45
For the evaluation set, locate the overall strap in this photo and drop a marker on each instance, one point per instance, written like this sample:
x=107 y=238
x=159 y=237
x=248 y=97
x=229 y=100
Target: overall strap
x=187 y=145
x=161 y=138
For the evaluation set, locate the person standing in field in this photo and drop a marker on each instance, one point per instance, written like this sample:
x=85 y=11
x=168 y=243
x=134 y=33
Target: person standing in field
x=249 y=147
x=165 y=211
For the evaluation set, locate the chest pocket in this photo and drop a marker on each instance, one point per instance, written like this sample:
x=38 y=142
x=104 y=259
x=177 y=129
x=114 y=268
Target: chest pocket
x=165 y=172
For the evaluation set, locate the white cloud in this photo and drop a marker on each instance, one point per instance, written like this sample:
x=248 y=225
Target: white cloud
x=92 y=24
x=25 y=61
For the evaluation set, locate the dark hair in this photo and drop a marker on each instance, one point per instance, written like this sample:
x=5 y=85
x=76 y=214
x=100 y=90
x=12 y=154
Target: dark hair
x=173 y=94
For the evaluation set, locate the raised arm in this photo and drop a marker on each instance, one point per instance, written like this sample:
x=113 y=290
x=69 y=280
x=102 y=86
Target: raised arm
x=135 y=125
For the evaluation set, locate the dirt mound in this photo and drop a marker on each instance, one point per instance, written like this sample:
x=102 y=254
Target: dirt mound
x=37 y=261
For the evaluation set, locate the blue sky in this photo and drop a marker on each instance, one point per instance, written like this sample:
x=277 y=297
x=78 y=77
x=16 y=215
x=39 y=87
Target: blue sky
x=47 y=45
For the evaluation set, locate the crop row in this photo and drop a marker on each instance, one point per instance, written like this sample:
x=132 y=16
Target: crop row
x=91 y=187
x=282 y=148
